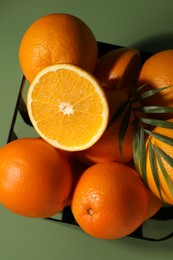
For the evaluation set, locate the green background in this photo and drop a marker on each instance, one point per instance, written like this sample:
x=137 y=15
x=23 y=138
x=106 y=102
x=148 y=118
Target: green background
x=147 y=25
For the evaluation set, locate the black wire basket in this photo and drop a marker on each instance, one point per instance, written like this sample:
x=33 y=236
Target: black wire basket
x=163 y=217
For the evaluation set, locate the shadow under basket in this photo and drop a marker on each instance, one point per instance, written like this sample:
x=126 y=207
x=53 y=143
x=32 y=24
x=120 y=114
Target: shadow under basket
x=158 y=228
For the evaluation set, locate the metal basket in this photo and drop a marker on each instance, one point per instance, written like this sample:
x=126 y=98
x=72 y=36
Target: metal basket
x=164 y=215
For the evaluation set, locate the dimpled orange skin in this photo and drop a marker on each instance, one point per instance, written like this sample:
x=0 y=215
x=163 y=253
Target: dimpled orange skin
x=57 y=38
x=157 y=73
x=35 y=179
x=110 y=201
x=119 y=68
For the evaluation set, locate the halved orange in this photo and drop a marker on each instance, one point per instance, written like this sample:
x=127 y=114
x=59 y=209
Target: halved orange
x=67 y=107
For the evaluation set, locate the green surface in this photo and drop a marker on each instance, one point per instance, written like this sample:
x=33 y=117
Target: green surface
x=143 y=24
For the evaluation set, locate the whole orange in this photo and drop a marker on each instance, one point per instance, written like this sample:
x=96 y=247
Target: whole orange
x=166 y=148
x=157 y=73
x=57 y=38
x=35 y=179
x=110 y=201
x=119 y=68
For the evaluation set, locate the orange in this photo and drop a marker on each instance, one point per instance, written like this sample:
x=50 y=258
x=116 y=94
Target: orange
x=107 y=147
x=166 y=193
x=35 y=179
x=157 y=73
x=67 y=107
x=119 y=68
x=57 y=38
x=110 y=201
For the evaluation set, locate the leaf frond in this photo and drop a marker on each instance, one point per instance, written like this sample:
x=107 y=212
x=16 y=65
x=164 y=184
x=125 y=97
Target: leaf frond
x=135 y=91
x=147 y=116
x=154 y=109
x=142 y=148
x=154 y=169
x=164 y=172
x=151 y=92
x=136 y=151
x=157 y=122
x=160 y=137
x=165 y=156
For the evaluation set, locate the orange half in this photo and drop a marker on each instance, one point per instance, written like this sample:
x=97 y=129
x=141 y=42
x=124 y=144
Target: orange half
x=67 y=107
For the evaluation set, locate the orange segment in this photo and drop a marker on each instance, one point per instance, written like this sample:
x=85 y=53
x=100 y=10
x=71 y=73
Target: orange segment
x=67 y=107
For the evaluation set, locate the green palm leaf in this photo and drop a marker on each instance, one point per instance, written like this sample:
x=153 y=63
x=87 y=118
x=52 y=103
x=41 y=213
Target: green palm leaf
x=154 y=169
x=136 y=145
x=142 y=149
x=164 y=171
x=157 y=122
x=154 y=109
x=160 y=137
x=151 y=92
x=135 y=91
x=140 y=131
x=167 y=158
